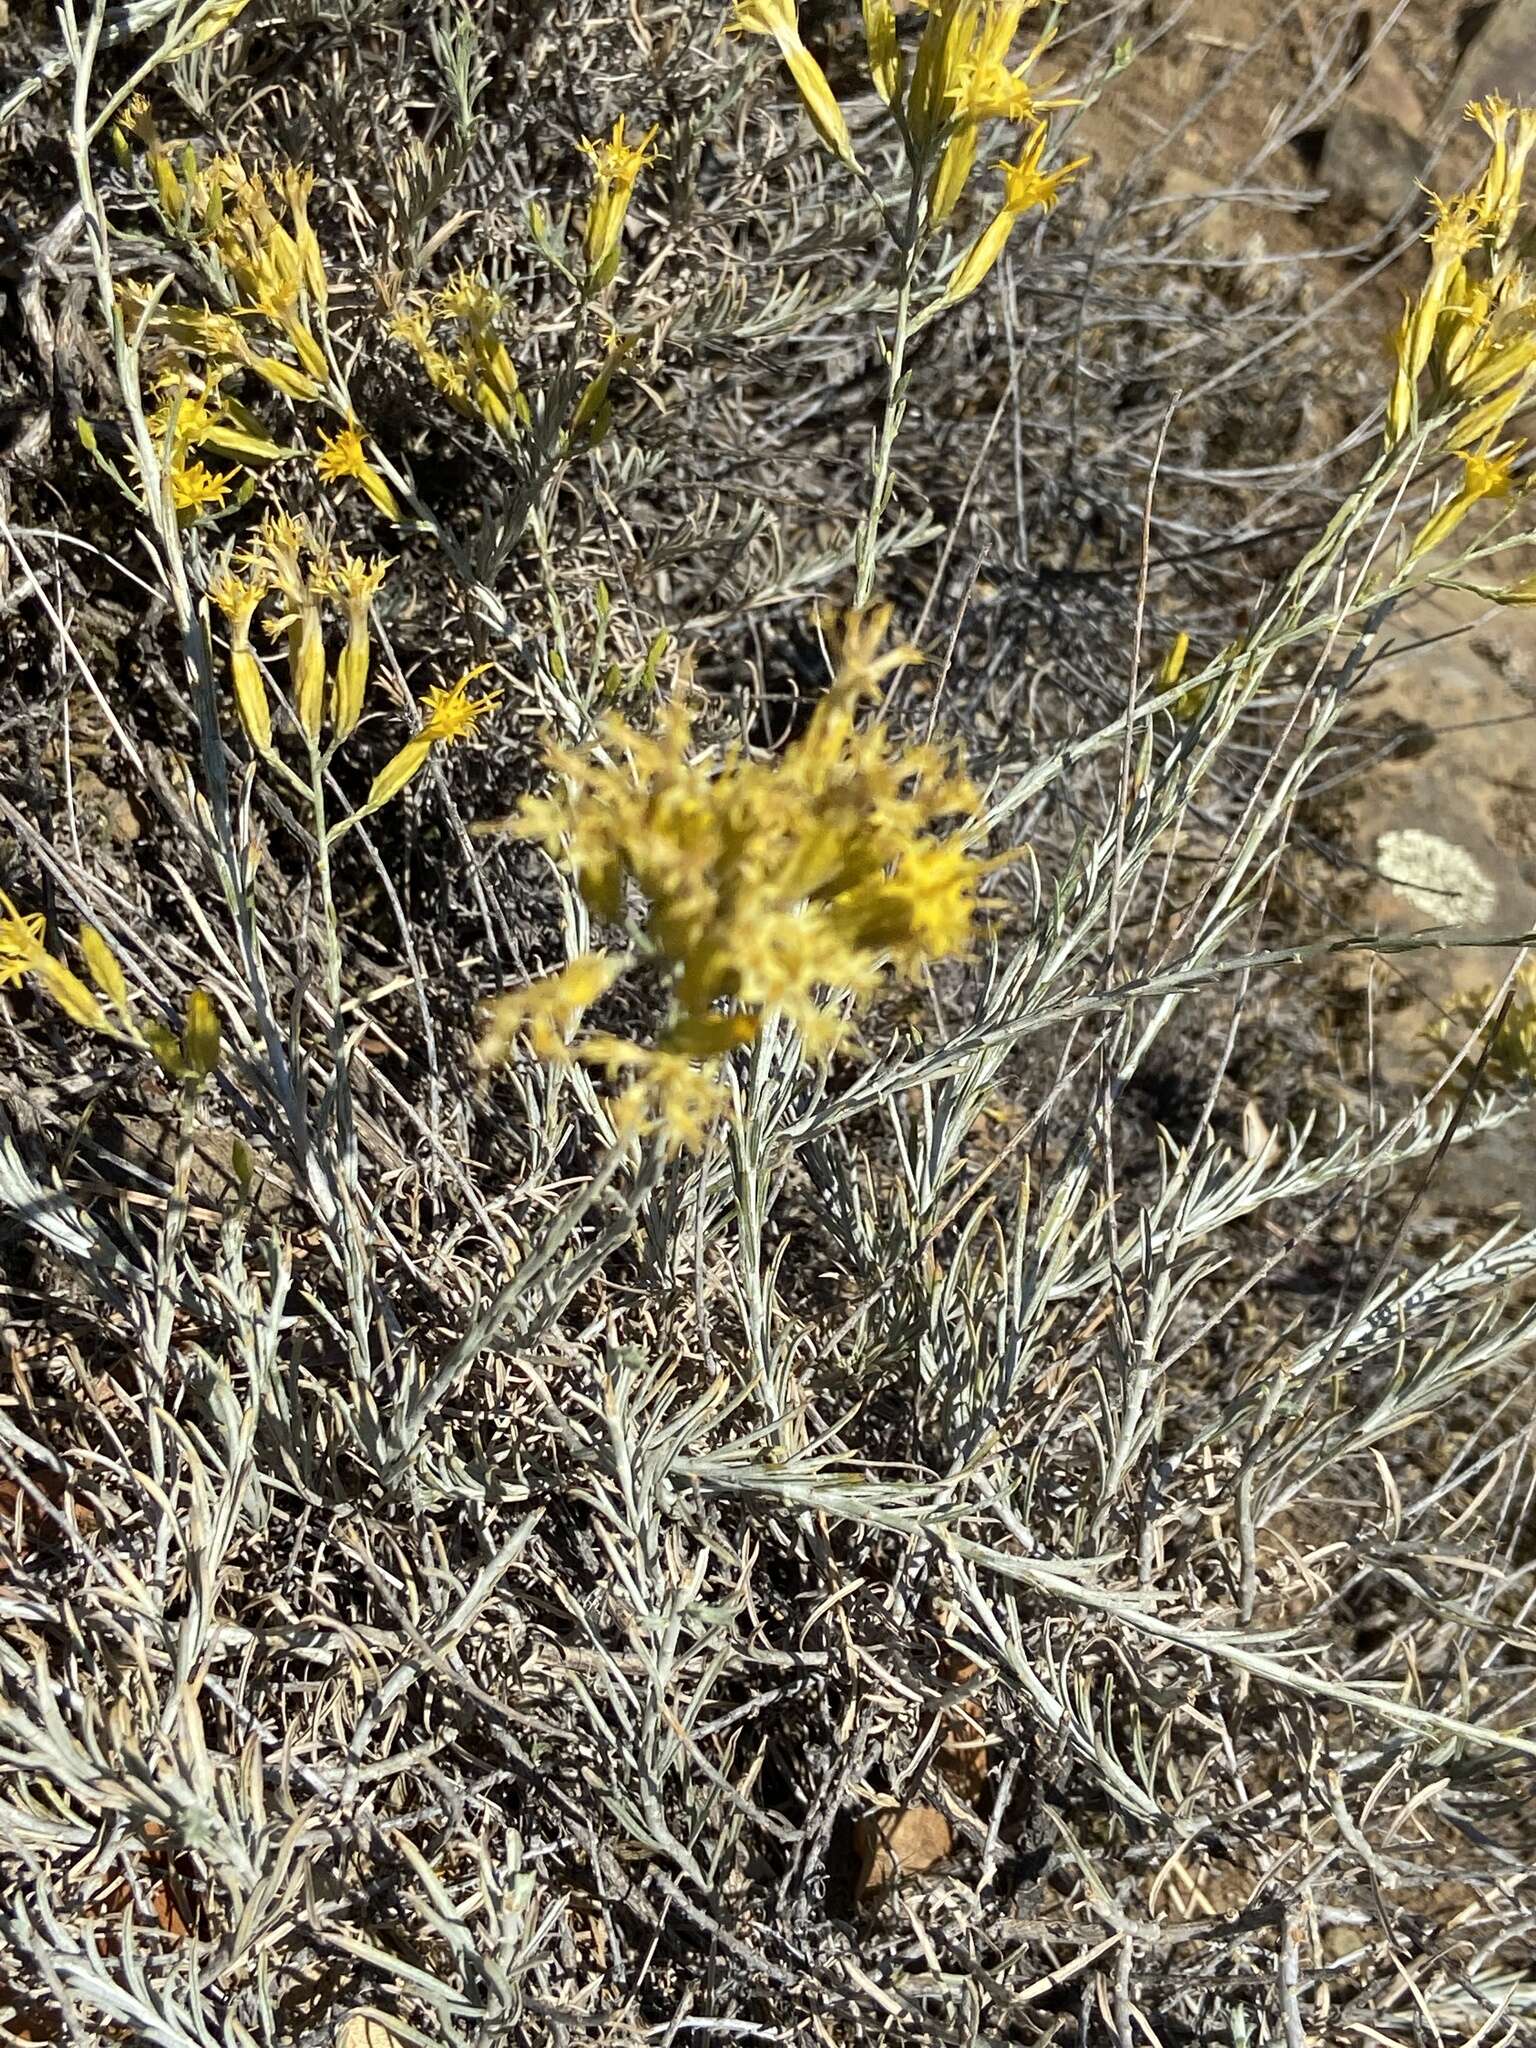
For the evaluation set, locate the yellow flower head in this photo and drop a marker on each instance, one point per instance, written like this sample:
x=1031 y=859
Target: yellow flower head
x=195 y=488
x=452 y=714
x=616 y=165
x=136 y=118
x=237 y=597
x=467 y=296
x=355 y=579
x=341 y=455
x=777 y=18
x=1025 y=185
x=356 y=583
x=1459 y=227
x=21 y=942
x=344 y=455
x=471 y=367
x=1489 y=475
x=276 y=554
x=617 y=162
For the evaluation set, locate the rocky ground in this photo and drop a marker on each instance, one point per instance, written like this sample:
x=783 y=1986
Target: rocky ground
x=1312 y=131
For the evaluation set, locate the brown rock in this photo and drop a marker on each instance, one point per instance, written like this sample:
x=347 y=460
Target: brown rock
x=1376 y=150
x=1450 y=699
x=900 y=1841
x=1500 y=58
x=1221 y=225
x=109 y=812
x=1370 y=165
x=1387 y=86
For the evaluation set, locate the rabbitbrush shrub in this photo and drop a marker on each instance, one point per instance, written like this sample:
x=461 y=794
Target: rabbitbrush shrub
x=655 y=1387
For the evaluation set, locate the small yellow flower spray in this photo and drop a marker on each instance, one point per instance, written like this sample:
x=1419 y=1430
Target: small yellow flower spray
x=781 y=887
x=286 y=565
x=1025 y=187
x=285 y=557
x=455 y=334
x=964 y=77
x=1464 y=354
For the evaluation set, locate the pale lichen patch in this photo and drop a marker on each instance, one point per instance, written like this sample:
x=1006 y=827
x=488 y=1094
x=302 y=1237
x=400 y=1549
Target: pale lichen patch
x=1436 y=876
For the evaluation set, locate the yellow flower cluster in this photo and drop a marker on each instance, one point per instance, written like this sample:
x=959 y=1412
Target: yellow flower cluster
x=192 y=414
x=258 y=232
x=190 y=1055
x=963 y=76
x=455 y=335
x=264 y=262
x=305 y=582
x=962 y=79
x=286 y=563
x=1467 y=343
x=262 y=254
x=764 y=887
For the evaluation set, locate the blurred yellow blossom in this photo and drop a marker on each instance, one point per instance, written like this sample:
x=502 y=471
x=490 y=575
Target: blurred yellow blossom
x=191 y=1057
x=1470 y=331
x=1486 y=474
x=548 y=1010
x=668 y=1094
x=1508 y=1046
x=784 y=885
x=455 y=335
x=883 y=49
